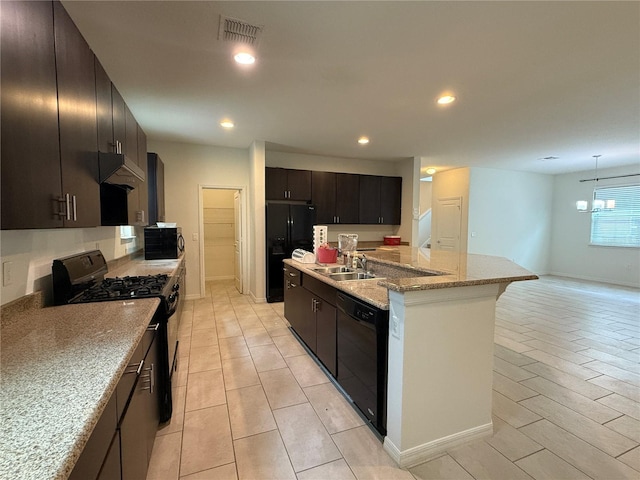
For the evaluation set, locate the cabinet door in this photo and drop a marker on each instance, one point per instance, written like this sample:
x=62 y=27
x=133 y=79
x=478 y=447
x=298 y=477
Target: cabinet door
x=326 y=337
x=30 y=166
x=275 y=183
x=299 y=185
x=347 y=198
x=369 y=199
x=111 y=466
x=104 y=109
x=77 y=121
x=160 y=189
x=133 y=437
x=390 y=200
x=118 y=117
x=307 y=318
x=323 y=196
x=149 y=384
x=143 y=194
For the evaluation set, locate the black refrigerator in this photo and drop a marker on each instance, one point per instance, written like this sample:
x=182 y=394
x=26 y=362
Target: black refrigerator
x=289 y=226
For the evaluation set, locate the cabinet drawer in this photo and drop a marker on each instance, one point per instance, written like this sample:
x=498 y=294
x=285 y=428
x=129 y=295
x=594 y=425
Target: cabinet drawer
x=128 y=380
x=321 y=289
x=293 y=275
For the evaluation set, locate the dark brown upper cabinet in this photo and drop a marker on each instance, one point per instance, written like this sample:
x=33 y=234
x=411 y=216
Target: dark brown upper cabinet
x=30 y=148
x=77 y=122
x=104 y=112
x=336 y=197
x=118 y=110
x=380 y=200
x=287 y=184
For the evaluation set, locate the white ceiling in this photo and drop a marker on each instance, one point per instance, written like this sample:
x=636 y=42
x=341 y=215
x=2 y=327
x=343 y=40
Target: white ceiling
x=533 y=79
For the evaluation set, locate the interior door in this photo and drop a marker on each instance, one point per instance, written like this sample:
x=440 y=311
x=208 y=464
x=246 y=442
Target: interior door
x=237 y=241
x=448 y=224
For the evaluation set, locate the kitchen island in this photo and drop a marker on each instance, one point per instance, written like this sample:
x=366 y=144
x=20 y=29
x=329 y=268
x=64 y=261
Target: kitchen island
x=440 y=342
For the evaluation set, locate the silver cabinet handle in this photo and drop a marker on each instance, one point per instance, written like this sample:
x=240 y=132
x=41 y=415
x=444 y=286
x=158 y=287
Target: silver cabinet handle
x=154 y=327
x=67 y=200
x=75 y=209
x=151 y=378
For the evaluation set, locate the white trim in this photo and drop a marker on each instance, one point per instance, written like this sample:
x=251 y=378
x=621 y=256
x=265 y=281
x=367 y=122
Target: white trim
x=256 y=299
x=427 y=451
x=192 y=297
x=221 y=277
x=608 y=281
x=244 y=229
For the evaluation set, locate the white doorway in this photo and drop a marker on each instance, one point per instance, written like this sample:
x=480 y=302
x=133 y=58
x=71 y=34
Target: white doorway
x=222 y=237
x=448 y=224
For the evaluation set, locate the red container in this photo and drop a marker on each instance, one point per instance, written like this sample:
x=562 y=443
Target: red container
x=327 y=255
x=392 y=240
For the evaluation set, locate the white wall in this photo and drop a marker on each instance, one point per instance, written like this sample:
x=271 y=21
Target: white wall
x=350 y=165
x=510 y=216
x=31 y=253
x=571 y=254
x=187 y=166
x=257 y=242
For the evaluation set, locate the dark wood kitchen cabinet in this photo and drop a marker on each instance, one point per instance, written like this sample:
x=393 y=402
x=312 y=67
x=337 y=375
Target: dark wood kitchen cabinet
x=336 y=197
x=77 y=122
x=309 y=307
x=155 y=183
x=118 y=112
x=30 y=149
x=143 y=197
x=287 y=184
x=104 y=105
x=380 y=200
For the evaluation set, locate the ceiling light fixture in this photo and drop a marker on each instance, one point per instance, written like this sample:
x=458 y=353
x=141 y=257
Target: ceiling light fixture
x=446 y=99
x=431 y=171
x=227 y=124
x=244 y=58
x=597 y=204
x=363 y=140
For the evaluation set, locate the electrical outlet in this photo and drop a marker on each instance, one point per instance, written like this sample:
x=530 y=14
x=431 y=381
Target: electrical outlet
x=395 y=327
x=6 y=273
x=194 y=237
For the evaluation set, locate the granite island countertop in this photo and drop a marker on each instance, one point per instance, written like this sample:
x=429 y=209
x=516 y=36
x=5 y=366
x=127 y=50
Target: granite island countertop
x=403 y=269
x=59 y=367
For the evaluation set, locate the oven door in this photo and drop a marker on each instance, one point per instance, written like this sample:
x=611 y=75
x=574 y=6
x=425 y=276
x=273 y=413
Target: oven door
x=176 y=302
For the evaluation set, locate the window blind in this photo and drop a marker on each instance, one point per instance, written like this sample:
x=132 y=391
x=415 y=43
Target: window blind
x=618 y=223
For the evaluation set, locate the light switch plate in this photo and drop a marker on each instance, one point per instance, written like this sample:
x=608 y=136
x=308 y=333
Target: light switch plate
x=194 y=237
x=6 y=273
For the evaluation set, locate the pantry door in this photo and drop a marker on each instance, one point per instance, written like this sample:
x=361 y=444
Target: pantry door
x=237 y=210
x=448 y=224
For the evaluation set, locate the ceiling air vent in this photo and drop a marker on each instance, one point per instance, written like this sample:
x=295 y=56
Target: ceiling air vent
x=238 y=31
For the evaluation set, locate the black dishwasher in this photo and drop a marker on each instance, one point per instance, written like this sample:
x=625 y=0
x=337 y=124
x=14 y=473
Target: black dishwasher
x=362 y=357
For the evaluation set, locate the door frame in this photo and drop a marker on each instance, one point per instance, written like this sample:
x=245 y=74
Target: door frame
x=243 y=232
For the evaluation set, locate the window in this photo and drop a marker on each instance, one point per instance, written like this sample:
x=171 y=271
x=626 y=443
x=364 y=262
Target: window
x=617 y=221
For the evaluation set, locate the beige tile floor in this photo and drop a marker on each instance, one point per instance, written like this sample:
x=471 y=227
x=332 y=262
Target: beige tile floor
x=251 y=404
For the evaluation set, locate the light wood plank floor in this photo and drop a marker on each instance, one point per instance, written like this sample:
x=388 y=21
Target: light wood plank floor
x=251 y=404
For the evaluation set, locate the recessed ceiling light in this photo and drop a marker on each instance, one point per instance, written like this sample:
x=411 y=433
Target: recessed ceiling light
x=363 y=140
x=227 y=124
x=244 y=58
x=446 y=99
x=431 y=171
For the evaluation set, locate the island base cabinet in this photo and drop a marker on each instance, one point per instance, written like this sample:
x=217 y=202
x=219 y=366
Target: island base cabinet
x=326 y=337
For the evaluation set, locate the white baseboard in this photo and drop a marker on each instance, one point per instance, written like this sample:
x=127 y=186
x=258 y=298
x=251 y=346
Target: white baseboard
x=256 y=299
x=588 y=278
x=193 y=296
x=225 y=277
x=427 y=451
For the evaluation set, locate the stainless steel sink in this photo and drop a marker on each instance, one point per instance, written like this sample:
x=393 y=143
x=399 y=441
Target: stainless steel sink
x=329 y=270
x=351 y=276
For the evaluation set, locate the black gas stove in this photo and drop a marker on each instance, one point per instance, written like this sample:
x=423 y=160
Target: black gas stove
x=81 y=278
x=122 y=288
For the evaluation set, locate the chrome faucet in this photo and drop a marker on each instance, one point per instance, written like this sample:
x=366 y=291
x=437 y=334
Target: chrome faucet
x=361 y=261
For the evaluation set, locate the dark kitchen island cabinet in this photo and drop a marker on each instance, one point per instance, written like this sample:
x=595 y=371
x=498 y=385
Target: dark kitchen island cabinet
x=309 y=307
x=380 y=200
x=336 y=197
x=287 y=184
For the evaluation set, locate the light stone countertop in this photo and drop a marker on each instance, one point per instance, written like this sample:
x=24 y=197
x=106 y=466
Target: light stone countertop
x=401 y=269
x=59 y=368
x=140 y=267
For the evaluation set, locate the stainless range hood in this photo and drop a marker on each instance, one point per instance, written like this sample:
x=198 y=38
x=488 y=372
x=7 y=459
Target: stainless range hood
x=117 y=169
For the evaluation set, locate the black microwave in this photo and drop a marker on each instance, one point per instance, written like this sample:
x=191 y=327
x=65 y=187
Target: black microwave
x=163 y=243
